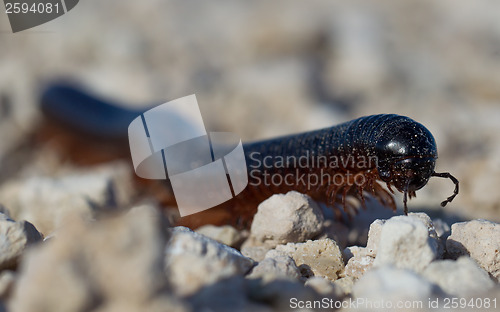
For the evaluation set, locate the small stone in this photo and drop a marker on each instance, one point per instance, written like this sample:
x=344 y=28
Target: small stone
x=193 y=260
x=360 y=259
x=343 y=286
x=354 y=251
x=256 y=253
x=284 y=218
x=14 y=238
x=275 y=265
x=451 y=275
x=406 y=243
x=46 y=201
x=113 y=262
x=319 y=258
x=392 y=284
x=225 y=234
x=357 y=266
x=321 y=285
x=481 y=240
x=432 y=231
x=326 y=288
x=255 y=249
x=374 y=237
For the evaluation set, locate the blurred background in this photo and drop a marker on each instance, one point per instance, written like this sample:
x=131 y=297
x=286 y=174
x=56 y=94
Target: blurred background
x=267 y=68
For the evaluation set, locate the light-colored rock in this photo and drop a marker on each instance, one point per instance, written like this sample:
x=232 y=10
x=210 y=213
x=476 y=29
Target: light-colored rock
x=97 y=265
x=481 y=240
x=377 y=226
x=14 y=238
x=363 y=256
x=391 y=284
x=284 y=218
x=427 y=222
x=257 y=253
x=225 y=234
x=343 y=286
x=405 y=243
x=357 y=266
x=319 y=258
x=193 y=260
x=275 y=265
x=326 y=288
x=460 y=278
x=360 y=259
x=46 y=201
x=374 y=237
x=354 y=251
x=434 y=237
x=321 y=285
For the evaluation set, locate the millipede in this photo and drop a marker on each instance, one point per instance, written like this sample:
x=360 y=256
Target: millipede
x=386 y=148
x=346 y=162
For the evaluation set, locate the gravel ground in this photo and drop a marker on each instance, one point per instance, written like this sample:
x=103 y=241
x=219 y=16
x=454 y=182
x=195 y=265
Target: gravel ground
x=84 y=238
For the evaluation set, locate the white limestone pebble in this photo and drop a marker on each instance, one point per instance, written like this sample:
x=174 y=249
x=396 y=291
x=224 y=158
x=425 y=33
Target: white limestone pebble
x=275 y=265
x=285 y=218
x=460 y=278
x=193 y=260
x=405 y=242
x=225 y=234
x=391 y=285
x=319 y=258
x=481 y=240
x=14 y=238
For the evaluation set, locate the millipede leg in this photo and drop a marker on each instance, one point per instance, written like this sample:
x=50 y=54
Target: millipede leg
x=452 y=178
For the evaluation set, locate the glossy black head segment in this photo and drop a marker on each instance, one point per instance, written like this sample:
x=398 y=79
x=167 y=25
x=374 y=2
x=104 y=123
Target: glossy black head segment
x=411 y=174
x=406 y=153
x=403 y=137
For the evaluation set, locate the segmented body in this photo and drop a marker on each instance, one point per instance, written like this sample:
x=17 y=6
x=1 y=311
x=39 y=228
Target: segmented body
x=334 y=166
x=328 y=164
x=337 y=166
